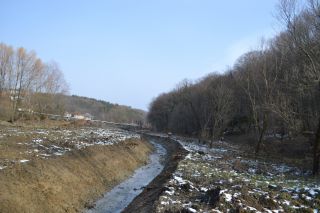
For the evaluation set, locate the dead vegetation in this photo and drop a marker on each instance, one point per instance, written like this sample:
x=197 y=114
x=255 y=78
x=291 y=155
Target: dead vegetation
x=227 y=178
x=65 y=181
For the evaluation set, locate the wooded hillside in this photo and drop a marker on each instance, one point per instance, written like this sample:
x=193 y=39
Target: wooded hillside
x=274 y=90
x=103 y=110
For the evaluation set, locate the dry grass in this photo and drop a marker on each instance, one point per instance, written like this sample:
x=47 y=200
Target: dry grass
x=68 y=183
x=5 y=105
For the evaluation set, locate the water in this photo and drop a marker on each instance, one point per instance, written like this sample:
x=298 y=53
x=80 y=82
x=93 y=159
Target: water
x=121 y=195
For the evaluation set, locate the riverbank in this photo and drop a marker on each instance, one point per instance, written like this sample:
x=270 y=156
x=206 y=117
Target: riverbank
x=145 y=202
x=224 y=178
x=65 y=169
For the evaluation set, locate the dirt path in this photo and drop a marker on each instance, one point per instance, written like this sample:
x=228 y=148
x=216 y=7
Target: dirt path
x=145 y=201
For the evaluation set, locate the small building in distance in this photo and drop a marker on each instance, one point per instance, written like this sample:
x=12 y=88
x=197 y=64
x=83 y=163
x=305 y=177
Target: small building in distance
x=80 y=116
x=67 y=115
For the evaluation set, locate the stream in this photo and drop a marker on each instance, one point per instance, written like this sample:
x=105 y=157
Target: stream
x=121 y=195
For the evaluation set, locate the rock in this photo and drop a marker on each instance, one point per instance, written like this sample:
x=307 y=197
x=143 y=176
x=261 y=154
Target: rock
x=201 y=152
x=185 y=187
x=211 y=197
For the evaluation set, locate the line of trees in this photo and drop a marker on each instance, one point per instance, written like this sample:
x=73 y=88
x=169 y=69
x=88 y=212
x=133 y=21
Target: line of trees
x=274 y=88
x=27 y=83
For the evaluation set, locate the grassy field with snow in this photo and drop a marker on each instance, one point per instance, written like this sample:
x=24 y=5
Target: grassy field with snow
x=225 y=179
x=64 y=168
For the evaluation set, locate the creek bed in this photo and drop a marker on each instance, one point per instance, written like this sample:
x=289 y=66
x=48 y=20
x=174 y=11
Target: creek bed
x=121 y=195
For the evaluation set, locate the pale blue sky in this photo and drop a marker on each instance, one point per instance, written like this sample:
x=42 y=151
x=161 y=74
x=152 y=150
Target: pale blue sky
x=129 y=51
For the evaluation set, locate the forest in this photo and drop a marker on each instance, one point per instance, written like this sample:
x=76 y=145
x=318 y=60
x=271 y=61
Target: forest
x=273 y=90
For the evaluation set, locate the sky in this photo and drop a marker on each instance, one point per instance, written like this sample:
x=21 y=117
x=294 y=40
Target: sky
x=130 y=51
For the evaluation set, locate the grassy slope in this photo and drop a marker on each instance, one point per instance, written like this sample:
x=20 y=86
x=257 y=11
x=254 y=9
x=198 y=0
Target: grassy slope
x=67 y=183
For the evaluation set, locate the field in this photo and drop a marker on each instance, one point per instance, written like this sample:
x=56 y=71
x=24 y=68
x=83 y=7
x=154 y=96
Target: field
x=64 y=168
x=225 y=178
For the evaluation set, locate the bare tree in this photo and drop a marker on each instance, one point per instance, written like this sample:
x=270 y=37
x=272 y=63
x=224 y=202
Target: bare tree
x=6 y=57
x=303 y=28
x=23 y=76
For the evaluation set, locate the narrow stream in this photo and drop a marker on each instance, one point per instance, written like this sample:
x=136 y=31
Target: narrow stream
x=121 y=195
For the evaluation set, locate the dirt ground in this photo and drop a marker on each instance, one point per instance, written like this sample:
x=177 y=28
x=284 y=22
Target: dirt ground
x=292 y=151
x=63 y=170
x=145 y=202
x=227 y=178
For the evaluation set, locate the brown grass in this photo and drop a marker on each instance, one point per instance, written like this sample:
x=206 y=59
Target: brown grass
x=69 y=182
x=5 y=105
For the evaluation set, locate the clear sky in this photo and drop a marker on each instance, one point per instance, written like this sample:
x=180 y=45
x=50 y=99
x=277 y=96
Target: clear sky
x=129 y=51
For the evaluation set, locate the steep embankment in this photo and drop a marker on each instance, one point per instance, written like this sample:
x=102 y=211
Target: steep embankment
x=69 y=182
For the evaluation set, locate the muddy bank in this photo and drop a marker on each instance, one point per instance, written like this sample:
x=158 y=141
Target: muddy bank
x=121 y=195
x=145 y=201
x=67 y=183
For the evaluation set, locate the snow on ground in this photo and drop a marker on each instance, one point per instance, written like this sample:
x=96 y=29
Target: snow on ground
x=46 y=143
x=221 y=179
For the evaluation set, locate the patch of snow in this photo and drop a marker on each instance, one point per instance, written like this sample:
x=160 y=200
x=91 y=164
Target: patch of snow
x=192 y=210
x=169 y=192
x=37 y=140
x=237 y=194
x=164 y=203
x=58 y=153
x=179 y=180
x=252 y=170
x=312 y=192
x=228 y=197
x=251 y=209
x=223 y=191
x=203 y=189
x=286 y=202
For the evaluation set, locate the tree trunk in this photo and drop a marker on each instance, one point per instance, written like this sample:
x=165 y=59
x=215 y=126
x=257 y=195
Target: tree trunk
x=315 y=169
x=316 y=156
x=261 y=133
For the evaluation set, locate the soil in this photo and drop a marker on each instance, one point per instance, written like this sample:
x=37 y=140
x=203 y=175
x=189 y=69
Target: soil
x=292 y=151
x=145 y=202
x=224 y=178
x=63 y=170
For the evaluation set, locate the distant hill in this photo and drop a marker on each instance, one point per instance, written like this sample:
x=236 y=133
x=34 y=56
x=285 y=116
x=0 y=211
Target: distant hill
x=103 y=110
